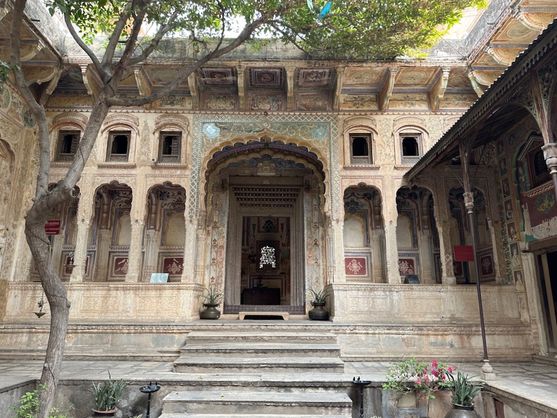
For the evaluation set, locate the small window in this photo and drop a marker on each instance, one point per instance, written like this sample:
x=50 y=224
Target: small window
x=68 y=141
x=360 y=149
x=170 y=146
x=118 y=146
x=409 y=147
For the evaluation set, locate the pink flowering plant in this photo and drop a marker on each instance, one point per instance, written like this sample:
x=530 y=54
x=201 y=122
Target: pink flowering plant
x=418 y=376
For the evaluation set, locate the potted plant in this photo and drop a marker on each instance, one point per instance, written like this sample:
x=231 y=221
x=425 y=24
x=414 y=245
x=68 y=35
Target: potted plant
x=410 y=377
x=464 y=391
x=107 y=394
x=319 y=300
x=212 y=299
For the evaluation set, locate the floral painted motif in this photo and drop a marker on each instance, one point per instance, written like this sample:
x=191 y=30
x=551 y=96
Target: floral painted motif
x=355 y=266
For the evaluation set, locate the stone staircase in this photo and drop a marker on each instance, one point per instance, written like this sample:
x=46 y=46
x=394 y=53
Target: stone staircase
x=258 y=352
x=263 y=373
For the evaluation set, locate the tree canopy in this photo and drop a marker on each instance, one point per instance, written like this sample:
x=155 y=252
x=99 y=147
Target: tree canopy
x=350 y=29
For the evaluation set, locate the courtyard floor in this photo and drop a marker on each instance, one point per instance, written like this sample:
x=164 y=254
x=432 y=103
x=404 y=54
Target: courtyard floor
x=533 y=381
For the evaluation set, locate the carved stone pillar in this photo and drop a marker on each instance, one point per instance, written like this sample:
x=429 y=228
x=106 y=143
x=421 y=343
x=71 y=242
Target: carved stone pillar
x=151 y=242
x=550 y=154
x=80 y=250
x=135 y=254
x=137 y=219
x=442 y=215
x=377 y=268
x=84 y=214
x=103 y=249
x=338 y=250
x=190 y=251
x=426 y=256
x=391 y=250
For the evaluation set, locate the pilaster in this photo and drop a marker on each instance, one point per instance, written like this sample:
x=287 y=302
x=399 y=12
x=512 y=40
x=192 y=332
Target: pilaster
x=441 y=215
x=84 y=214
x=425 y=251
x=377 y=268
x=135 y=254
x=190 y=247
x=390 y=216
x=80 y=250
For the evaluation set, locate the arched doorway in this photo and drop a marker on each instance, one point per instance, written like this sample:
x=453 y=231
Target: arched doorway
x=264 y=204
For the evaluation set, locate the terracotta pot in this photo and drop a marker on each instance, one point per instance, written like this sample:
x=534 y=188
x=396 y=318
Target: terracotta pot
x=460 y=411
x=107 y=413
x=210 y=311
x=318 y=313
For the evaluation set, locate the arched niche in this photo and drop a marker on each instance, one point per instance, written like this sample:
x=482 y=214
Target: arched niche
x=417 y=237
x=109 y=240
x=363 y=235
x=165 y=231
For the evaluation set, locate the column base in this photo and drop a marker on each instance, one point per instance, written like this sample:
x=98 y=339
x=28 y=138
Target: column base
x=448 y=280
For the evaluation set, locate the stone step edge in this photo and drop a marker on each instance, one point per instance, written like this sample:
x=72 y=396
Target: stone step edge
x=254 y=361
x=257 y=415
x=250 y=333
x=259 y=346
x=251 y=397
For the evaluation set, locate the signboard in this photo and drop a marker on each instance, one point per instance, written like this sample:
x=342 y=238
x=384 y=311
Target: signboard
x=159 y=277
x=463 y=253
x=52 y=227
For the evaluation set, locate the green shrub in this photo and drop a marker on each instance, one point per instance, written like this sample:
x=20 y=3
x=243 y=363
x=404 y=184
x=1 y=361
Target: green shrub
x=28 y=406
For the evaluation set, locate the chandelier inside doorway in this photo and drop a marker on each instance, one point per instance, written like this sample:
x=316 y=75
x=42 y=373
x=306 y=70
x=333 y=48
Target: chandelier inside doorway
x=267 y=257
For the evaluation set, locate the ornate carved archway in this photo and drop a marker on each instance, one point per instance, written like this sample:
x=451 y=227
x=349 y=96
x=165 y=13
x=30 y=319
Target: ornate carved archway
x=265 y=196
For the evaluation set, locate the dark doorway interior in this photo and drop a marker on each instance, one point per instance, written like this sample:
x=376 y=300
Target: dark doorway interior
x=265 y=269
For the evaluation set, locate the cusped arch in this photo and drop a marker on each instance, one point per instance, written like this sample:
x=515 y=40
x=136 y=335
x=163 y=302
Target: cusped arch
x=261 y=144
x=172 y=122
x=119 y=121
x=76 y=121
x=360 y=122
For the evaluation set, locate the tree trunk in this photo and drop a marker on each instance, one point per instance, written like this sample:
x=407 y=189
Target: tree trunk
x=56 y=295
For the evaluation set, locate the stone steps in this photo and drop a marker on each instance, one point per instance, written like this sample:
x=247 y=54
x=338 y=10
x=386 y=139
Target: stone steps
x=260 y=373
x=258 y=364
x=249 y=416
x=249 y=403
x=239 y=351
x=244 y=336
x=262 y=349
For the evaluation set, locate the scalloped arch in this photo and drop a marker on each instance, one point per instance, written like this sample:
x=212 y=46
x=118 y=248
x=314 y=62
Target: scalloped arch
x=172 y=121
x=77 y=120
x=130 y=121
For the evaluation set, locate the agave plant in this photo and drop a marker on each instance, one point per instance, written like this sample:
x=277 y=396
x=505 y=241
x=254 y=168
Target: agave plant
x=464 y=389
x=107 y=393
x=211 y=296
x=319 y=297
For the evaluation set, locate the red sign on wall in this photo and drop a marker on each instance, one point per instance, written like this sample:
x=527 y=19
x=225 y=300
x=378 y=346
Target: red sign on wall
x=463 y=253
x=52 y=227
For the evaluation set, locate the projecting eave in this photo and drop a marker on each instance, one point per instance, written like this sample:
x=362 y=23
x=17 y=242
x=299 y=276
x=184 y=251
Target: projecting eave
x=502 y=93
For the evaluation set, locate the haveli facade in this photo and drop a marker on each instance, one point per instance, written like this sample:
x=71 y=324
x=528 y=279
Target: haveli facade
x=268 y=174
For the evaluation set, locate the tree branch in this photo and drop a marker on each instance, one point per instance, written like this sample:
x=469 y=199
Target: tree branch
x=130 y=45
x=163 y=30
x=187 y=70
x=85 y=48
x=115 y=36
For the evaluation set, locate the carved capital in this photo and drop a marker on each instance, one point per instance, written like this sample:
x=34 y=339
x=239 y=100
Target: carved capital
x=550 y=154
x=468 y=201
